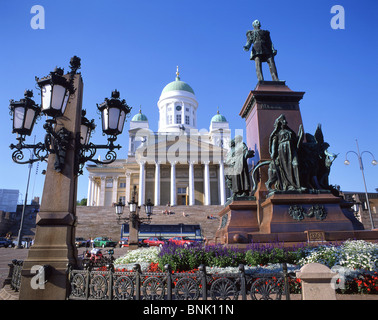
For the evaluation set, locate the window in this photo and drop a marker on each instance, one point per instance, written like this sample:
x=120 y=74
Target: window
x=187 y=120
x=187 y=109
x=178 y=118
x=122 y=185
x=181 y=190
x=169 y=119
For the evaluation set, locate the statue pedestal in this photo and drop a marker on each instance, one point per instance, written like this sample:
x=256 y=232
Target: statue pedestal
x=237 y=220
x=262 y=107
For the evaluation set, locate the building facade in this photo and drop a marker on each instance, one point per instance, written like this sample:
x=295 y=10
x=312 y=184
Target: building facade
x=177 y=165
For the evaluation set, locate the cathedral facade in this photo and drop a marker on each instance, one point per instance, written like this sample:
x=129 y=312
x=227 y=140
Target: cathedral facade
x=177 y=165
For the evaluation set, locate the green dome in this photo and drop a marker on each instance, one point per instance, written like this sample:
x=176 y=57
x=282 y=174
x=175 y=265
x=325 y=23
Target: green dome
x=139 y=117
x=177 y=85
x=218 y=118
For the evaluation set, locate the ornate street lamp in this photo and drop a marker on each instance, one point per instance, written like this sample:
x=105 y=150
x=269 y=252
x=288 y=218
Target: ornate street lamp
x=67 y=138
x=113 y=114
x=25 y=113
x=56 y=90
x=374 y=162
x=134 y=219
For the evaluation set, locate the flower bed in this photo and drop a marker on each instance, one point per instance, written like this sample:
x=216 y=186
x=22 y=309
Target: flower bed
x=355 y=260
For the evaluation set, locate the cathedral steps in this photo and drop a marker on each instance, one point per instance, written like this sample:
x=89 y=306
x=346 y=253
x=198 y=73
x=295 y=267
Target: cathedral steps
x=102 y=221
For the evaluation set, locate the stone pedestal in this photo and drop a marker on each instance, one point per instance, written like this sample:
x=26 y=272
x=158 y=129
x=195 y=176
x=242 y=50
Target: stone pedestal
x=303 y=212
x=237 y=220
x=262 y=107
x=318 y=282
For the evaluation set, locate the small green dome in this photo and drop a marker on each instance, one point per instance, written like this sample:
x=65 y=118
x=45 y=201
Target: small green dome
x=139 y=117
x=218 y=118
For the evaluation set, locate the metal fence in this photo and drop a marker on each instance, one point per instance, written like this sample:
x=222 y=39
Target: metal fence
x=111 y=284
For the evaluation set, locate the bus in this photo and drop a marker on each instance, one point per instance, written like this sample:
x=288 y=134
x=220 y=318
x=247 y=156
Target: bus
x=165 y=231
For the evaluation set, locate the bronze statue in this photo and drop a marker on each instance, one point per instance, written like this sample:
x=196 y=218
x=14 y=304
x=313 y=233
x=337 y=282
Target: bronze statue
x=262 y=50
x=295 y=165
x=236 y=169
x=283 y=146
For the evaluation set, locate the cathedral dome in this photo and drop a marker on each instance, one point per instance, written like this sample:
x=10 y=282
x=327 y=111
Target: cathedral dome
x=139 y=117
x=177 y=85
x=218 y=118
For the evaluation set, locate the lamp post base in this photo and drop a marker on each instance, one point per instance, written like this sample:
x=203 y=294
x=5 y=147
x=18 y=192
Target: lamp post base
x=54 y=247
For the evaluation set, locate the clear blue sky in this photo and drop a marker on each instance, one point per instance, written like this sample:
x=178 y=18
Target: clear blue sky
x=135 y=46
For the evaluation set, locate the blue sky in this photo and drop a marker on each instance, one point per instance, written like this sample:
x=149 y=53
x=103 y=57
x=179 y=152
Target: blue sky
x=135 y=46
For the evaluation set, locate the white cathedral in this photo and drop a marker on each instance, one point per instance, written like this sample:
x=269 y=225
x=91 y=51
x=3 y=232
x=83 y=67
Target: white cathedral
x=177 y=165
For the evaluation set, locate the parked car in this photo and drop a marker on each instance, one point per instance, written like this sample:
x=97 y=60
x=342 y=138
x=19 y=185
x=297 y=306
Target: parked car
x=184 y=241
x=80 y=242
x=6 y=243
x=104 y=242
x=124 y=242
x=154 y=241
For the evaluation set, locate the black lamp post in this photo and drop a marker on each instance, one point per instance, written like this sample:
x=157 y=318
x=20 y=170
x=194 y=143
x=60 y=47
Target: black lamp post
x=134 y=219
x=66 y=146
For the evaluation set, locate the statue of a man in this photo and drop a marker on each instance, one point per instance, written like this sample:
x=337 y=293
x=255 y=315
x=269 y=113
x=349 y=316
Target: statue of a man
x=262 y=50
x=236 y=170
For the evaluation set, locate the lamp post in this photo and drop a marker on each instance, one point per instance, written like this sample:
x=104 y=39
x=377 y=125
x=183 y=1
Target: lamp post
x=134 y=219
x=374 y=162
x=65 y=148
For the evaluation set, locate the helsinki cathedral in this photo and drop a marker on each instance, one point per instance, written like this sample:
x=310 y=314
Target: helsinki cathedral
x=177 y=165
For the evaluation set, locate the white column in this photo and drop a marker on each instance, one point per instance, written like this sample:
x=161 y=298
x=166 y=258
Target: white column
x=206 y=189
x=115 y=189
x=102 y=192
x=192 y=200
x=97 y=193
x=157 y=184
x=222 y=183
x=173 y=183
x=142 y=183
x=90 y=190
x=127 y=195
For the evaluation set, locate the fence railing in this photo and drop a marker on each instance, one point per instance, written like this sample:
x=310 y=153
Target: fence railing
x=110 y=284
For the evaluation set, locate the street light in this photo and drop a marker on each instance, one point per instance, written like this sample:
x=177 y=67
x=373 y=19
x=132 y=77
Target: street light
x=134 y=211
x=374 y=162
x=56 y=90
x=66 y=147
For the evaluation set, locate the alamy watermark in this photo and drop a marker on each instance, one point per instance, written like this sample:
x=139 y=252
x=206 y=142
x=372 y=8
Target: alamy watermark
x=38 y=20
x=338 y=20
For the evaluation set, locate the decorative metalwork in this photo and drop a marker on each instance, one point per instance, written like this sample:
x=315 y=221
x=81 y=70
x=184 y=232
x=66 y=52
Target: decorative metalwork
x=223 y=289
x=56 y=91
x=296 y=212
x=317 y=211
x=264 y=288
x=153 y=288
x=123 y=288
x=137 y=285
x=187 y=289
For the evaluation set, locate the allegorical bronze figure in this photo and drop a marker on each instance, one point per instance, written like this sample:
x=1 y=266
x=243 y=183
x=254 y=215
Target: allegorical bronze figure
x=262 y=50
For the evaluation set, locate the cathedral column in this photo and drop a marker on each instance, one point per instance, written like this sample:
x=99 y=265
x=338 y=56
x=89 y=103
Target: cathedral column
x=192 y=200
x=90 y=191
x=115 y=189
x=206 y=189
x=157 y=183
x=222 y=183
x=142 y=183
x=173 y=183
x=102 y=192
x=127 y=195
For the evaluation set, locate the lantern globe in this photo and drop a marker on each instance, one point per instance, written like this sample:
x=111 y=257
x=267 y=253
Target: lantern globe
x=25 y=113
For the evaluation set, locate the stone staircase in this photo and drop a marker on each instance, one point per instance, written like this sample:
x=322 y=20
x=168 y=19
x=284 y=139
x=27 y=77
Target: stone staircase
x=102 y=221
